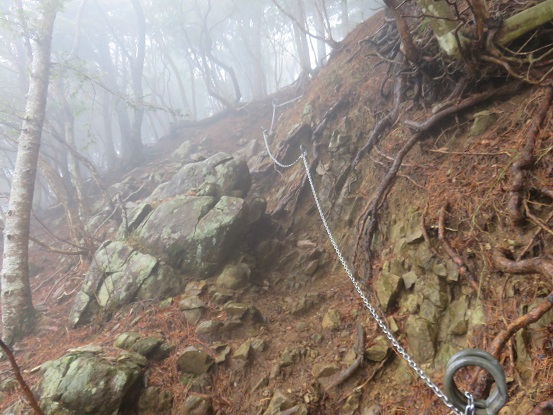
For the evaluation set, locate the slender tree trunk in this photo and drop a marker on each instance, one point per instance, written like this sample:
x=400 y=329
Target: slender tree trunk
x=111 y=155
x=17 y=305
x=320 y=32
x=300 y=36
x=137 y=151
x=344 y=11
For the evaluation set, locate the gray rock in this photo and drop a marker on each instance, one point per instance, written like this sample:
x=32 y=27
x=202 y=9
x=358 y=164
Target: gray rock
x=387 y=289
x=193 y=309
x=209 y=327
x=409 y=279
x=243 y=312
x=135 y=218
x=195 y=361
x=305 y=303
x=421 y=336
x=230 y=177
x=86 y=383
x=221 y=351
x=279 y=402
x=234 y=277
x=155 y=401
x=118 y=276
x=351 y=406
x=195 y=288
x=242 y=354
x=184 y=151
x=194 y=234
x=483 y=120
x=323 y=370
x=331 y=320
x=196 y=405
x=378 y=351
x=458 y=321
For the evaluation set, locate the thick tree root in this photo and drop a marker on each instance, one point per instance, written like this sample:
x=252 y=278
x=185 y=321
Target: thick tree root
x=463 y=269
x=527 y=161
x=20 y=380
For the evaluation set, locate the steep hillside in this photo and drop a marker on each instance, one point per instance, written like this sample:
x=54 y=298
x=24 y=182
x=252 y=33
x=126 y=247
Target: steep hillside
x=277 y=326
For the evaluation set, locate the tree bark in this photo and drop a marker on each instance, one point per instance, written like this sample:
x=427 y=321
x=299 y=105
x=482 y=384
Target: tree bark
x=17 y=305
x=525 y=21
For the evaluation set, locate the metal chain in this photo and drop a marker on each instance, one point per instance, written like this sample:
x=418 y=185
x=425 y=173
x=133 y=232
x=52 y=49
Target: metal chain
x=277 y=105
x=391 y=338
x=469 y=410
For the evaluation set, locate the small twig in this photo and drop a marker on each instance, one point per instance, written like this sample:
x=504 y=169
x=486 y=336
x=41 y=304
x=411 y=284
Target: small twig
x=463 y=269
x=20 y=380
x=359 y=350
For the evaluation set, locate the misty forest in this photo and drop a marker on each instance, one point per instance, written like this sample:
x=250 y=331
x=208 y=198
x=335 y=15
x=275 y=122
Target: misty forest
x=276 y=207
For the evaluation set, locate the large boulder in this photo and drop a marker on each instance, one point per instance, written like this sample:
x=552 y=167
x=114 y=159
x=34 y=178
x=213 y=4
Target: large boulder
x=194 y=233
x=84 y=382
x=118 y=276
x=218 y=175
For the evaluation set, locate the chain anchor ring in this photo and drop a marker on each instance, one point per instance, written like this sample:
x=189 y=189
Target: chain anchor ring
x=480 y=358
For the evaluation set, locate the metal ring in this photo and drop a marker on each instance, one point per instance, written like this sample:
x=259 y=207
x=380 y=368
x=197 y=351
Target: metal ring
x=480 y=358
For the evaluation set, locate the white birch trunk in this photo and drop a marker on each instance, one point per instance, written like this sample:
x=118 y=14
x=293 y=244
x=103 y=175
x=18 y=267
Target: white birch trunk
x=17 y=305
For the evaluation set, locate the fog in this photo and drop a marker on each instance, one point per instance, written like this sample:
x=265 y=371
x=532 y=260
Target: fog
x=123 y=72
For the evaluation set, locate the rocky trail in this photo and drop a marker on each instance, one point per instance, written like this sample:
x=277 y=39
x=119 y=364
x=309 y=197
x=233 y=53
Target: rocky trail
x=215 y=289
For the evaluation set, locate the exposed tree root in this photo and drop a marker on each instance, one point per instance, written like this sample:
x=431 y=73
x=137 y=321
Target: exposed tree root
x=420 y=130
x=463 y=269
x=359 y=348
x=543 y=408
x=20 y=380
x=388 y=121
x=527 y=161
x=540 y=266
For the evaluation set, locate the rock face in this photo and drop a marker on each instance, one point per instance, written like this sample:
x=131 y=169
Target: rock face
x=82 y=383
x=219 y=175
x=119 y=275
x=195 y=234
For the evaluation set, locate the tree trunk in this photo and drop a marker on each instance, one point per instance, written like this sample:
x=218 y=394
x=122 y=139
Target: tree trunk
x=17 y=305
x=344 y=12
x=318 y=19
x=137 y=151
x=302 y=45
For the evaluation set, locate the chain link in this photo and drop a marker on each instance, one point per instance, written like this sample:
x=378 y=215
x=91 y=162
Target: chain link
x=469 y=410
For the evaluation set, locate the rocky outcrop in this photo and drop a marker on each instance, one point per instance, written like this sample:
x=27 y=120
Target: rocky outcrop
x=217 y=176
x=119 y=275
x=194 y=234
x=87 y=382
